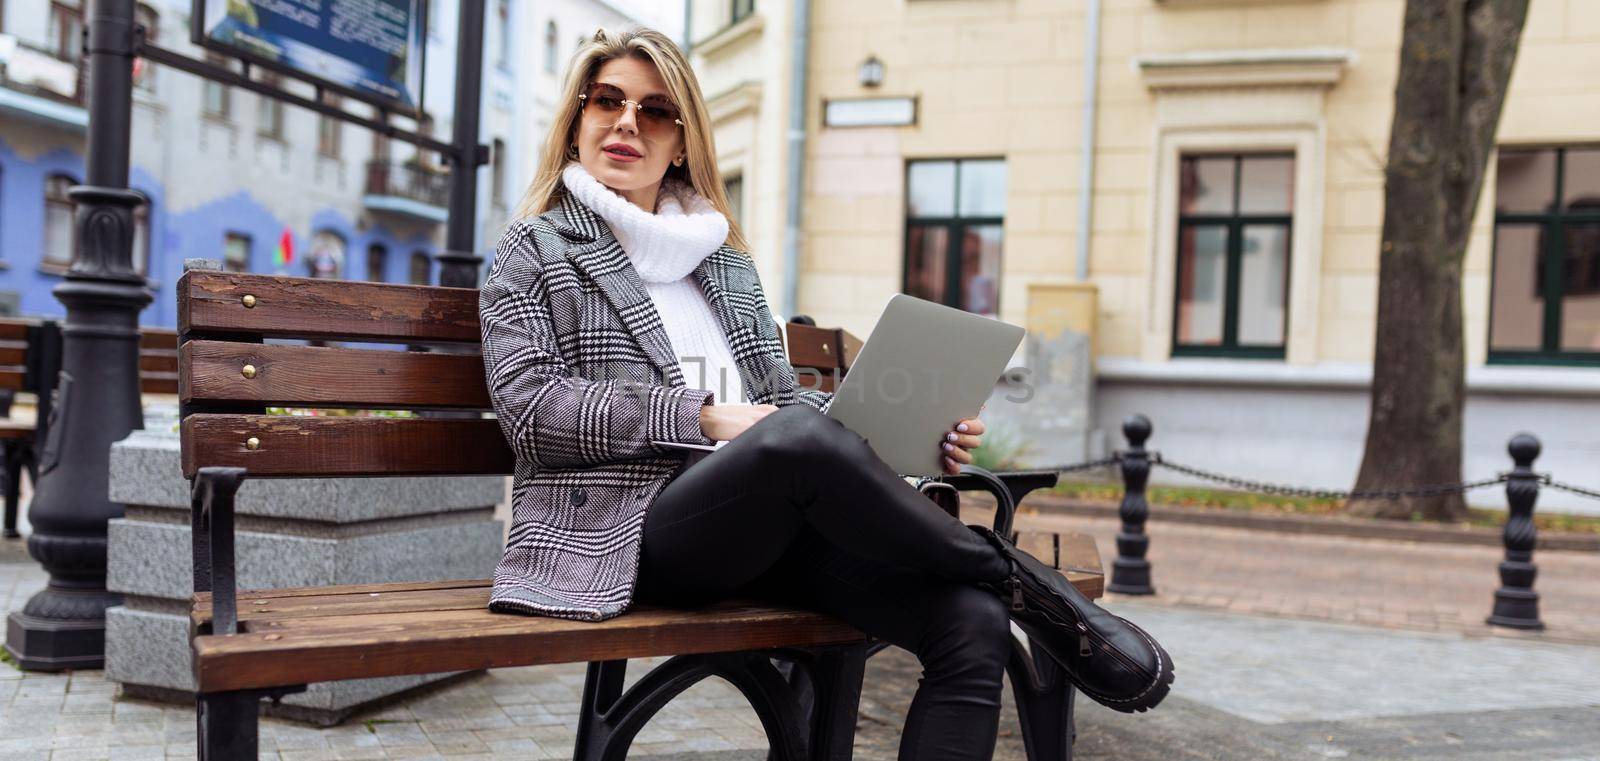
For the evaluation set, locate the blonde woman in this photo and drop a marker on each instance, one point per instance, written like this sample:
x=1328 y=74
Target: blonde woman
x=622 y=311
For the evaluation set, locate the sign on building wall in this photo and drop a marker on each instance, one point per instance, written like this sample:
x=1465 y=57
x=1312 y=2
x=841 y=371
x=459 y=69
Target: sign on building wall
x=373 y=48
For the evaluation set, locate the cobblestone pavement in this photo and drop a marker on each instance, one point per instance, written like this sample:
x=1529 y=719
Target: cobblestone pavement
x=1256 y=678
x=1404 y=585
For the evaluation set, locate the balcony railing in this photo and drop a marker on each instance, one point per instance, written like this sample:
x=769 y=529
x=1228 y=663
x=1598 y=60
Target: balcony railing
x=409 y=180
x=33 y=70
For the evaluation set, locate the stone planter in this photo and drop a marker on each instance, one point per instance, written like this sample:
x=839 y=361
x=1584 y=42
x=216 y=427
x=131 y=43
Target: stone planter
x=291 y=533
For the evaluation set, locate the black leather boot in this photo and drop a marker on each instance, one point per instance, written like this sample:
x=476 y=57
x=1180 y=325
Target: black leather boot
x=1108 y=658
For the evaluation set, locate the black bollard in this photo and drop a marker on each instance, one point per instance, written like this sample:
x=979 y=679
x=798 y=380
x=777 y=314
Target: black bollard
x=1130 y=573
x=1516 y=605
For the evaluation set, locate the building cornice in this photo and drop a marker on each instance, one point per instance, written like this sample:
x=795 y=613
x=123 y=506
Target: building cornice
x=741 y=98
x=729 y=36
x=1262 y=67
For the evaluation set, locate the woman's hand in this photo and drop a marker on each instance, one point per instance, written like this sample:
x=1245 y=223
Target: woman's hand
x=959 y=442
x=722 y=422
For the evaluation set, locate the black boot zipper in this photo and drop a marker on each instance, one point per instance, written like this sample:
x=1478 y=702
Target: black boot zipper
x=1085 y=650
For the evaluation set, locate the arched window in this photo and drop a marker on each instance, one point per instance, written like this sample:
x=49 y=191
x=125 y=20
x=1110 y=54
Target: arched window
x=551 y=34
x=421 y=268
x=236 y=252
x=377 y=262
x=327 y=255
x=60 y=233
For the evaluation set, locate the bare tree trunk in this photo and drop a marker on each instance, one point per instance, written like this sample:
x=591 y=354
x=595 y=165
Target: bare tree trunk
x=1455 y=62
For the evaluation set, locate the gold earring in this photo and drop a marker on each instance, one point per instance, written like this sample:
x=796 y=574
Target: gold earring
x=677 y=161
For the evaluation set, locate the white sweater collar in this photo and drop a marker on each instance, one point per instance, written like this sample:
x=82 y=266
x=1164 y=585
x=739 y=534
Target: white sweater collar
x=664 y=246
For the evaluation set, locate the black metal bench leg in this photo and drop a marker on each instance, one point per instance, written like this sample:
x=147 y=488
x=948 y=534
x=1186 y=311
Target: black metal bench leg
x=609 y=718
x=13 y=462
x=1044 y=705
x=836 y=676
x=229 y=725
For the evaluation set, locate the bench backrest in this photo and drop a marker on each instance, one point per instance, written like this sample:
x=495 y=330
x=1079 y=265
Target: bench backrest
x=228 y=376
x=158 y=361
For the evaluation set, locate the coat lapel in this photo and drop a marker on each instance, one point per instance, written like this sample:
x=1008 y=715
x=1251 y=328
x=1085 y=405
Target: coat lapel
x=598 y=254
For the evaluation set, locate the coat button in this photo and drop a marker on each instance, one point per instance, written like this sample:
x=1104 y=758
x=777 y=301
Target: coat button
x=578 y=497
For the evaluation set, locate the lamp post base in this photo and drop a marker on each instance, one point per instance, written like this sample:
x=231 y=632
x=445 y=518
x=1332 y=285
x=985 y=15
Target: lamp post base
x=53 y=644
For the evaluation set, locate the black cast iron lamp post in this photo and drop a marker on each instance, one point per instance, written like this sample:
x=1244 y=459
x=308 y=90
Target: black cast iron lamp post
x=63 y=626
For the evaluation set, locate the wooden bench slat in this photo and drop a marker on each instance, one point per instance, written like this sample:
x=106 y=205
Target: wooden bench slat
x=813 y=347
x=312 y=376
x=351 y=589
x=321 y=447
x=13 y=378
x=339 y=603
x=15 y=329
x=158 y=360
x=411 y=643
x=297 y=307
x=158 y=339
x=13 y=353
x=158 y=383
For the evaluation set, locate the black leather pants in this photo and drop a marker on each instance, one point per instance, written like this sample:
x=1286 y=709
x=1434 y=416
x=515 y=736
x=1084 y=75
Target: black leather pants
x=798 y=509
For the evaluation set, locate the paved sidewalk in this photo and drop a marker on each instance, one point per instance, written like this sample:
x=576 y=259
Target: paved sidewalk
x=1402 y=585
x=1269 y=667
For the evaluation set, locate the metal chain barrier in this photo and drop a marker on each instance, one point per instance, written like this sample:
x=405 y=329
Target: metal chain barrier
x=1568 y=488
x=1282 y=490
x=1436 y=490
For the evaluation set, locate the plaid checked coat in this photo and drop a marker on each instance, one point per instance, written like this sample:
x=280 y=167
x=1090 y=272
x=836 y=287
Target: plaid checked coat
x=583 y=378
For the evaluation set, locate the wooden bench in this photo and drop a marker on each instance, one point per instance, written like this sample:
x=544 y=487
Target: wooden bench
x=30 y=361
x=800 y=670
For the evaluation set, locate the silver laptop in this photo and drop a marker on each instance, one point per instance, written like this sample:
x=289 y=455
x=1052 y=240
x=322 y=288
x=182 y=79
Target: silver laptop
x=924 y=367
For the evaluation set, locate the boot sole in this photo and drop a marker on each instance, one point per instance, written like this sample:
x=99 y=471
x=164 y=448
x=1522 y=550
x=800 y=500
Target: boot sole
x=1145 y=699
x=1152 y=695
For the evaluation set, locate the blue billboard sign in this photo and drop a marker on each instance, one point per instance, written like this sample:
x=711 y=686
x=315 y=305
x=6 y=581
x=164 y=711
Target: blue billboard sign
x=372 y=48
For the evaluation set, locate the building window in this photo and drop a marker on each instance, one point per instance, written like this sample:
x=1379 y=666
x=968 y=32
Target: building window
x=60 y=233
x=1545 y=292
x=733 y=188
x=330 y=131
x=215 y=98
x=327 y=255
x=141 y=235
x=955 y=212
x=497 y=172
x=144 y=77
x=236 y=252
x=66 y=30
x=1234 y=220
x=421 y=268
x=377 y=262
x=551 y=34
x=741 y=9
x=269 y=111
x=503 y=44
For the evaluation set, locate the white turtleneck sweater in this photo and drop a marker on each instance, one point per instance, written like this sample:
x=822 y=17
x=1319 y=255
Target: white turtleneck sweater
x=665 y=247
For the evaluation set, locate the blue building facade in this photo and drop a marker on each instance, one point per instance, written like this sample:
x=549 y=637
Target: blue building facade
x=226 y=173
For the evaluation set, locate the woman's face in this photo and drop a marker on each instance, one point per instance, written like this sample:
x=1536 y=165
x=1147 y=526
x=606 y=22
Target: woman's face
x=626 y=150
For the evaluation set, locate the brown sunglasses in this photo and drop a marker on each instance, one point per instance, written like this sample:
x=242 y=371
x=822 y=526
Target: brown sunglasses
x=656 y=116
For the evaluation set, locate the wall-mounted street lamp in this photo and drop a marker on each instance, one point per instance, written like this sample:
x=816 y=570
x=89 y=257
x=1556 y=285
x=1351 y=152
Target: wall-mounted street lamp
x=870 y=73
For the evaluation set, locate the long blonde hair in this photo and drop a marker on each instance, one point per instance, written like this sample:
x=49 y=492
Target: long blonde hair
x=699 y=169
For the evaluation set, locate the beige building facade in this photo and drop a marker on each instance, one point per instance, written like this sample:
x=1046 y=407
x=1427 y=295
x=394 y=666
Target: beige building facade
x=1233 y=216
